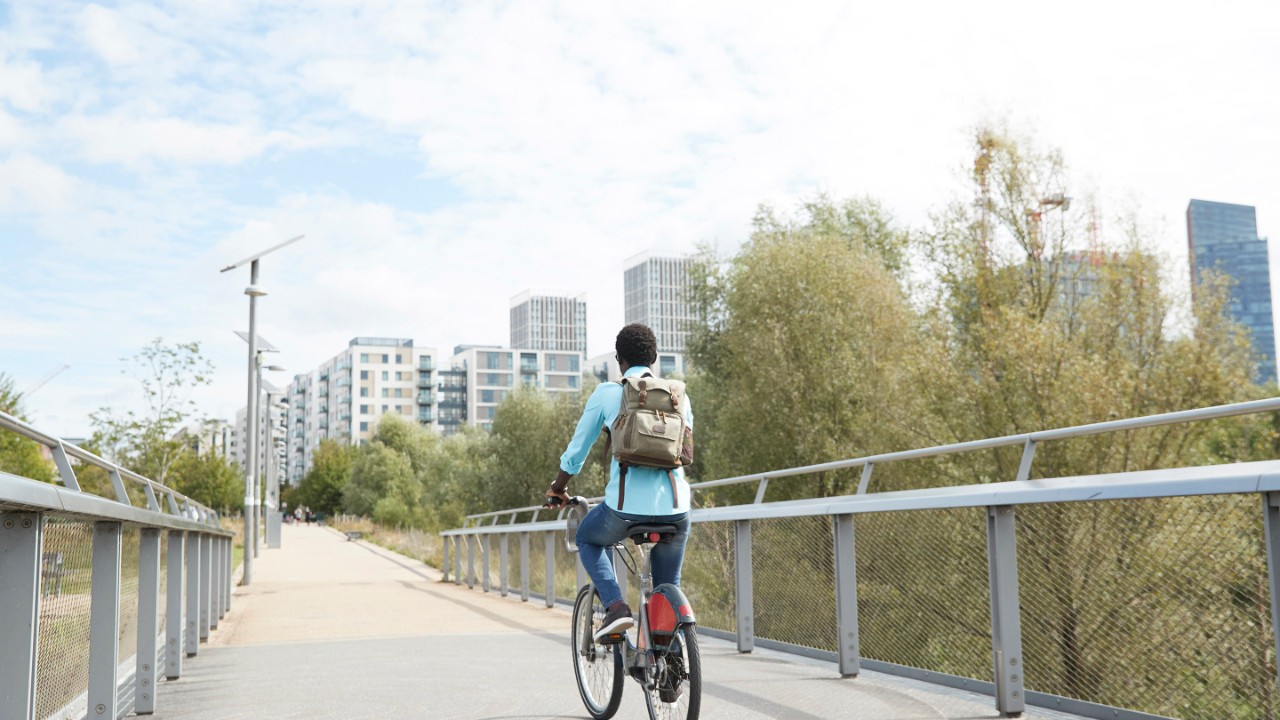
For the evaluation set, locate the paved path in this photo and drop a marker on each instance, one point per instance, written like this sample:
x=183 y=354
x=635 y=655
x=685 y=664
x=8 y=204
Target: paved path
x=347 y=630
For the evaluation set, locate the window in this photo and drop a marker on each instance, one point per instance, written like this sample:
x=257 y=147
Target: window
x=399 y=359
x=486 y=396
x=573 y=363
x=384 y=359
x=364 y=374
x=386 y=408
x=364 y=392
x=364 y=357
x=398 y=393
x=364 y=409
x=386 y=375
x=573 y=381
x=386 y=392
x=364 y=426
x=551 y=362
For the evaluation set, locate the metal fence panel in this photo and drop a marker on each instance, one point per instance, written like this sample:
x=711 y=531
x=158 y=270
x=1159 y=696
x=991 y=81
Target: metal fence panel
x=128 y=594
x=794 y=581
x=1159 y=606
x=63 y=649
x=707 y=575
x=923 y=598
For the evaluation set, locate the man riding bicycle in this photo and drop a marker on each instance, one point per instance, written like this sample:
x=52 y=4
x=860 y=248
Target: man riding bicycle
x=652 y=495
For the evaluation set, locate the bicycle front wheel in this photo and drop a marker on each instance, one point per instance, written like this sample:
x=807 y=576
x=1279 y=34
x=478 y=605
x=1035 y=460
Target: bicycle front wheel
x=677 y=692
x=597 y=667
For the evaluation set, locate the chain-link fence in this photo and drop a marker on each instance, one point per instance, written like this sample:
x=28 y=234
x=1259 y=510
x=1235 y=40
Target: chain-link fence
x=923 y=595
x=1154 y=605
x=707 y=576
x=63 y=646
x=794 y=581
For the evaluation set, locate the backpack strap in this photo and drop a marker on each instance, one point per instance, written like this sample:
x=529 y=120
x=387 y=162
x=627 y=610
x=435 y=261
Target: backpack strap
x=622 y=484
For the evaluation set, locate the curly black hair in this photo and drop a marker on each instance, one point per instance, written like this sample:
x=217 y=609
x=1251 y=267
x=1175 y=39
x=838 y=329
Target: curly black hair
x=637 y=345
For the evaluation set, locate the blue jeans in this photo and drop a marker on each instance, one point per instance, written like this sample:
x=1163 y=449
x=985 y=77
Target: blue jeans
x=604 y=526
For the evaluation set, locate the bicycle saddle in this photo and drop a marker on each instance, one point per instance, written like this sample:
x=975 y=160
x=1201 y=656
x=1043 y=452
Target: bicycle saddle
x=641 y=534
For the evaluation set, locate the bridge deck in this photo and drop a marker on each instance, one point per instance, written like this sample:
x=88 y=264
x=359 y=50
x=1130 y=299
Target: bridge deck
x=337 y=629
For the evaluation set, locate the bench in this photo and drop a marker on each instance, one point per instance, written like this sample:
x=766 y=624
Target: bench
x=354 y=535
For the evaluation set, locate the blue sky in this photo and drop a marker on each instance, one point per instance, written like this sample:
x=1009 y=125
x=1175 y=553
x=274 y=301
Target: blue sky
x=443 y=157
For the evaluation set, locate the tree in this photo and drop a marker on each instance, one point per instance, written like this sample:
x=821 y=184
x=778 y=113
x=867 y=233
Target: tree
x=209 y=479
x=809 y=353
x=321 y=488
x=18 y=455
x=145 y=442
x=377 y=472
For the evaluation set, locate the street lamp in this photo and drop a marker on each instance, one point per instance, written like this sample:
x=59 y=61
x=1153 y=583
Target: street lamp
x=272 y=503
x=251 y=420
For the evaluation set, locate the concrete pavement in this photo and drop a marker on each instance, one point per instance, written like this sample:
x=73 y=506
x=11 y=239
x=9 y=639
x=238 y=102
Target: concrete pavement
x=338 y=629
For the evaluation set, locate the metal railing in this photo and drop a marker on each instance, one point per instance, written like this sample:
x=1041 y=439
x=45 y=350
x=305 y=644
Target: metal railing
x=100 y=595
x=1138 y=594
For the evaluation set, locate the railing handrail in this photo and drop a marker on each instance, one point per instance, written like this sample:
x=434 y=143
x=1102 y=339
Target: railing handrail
x=1028 y=440
x=177 y=505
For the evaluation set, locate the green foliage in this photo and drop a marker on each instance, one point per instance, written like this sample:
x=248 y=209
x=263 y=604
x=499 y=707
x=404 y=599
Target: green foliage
x=209 y=479
x=321 y=488
x=145 y=443
x=18 y=455
x=809 y=359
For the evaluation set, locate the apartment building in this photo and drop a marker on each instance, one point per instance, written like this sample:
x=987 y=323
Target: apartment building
x=481 y=377
x=211 y=436
x=272 y=414
x=549 y=322
x=656 y=293
x=343 y=398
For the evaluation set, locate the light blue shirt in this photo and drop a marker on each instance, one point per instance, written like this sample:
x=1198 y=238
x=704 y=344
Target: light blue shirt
x=648 y=489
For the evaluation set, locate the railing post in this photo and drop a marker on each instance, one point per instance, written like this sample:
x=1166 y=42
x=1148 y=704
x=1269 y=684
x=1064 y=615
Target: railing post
x=1006 y=622
x=524 y=567
x=21 y=548
x=227 y=570
x=1271 y=520
x=550 y=544
x=215 y=581
x=457 y=559
x=445 y=567
x=504 y=579
x=173 y=612
x=104 y=620
x=191 y=554
x=471 y=561
x=846 y=596
x=206 y=584
x=743 y=595
x=484 y=560
x=148 y=620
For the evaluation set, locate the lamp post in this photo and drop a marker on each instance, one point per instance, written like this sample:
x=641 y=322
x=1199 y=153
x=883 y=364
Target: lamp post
x=251 y=415
x=271 y=515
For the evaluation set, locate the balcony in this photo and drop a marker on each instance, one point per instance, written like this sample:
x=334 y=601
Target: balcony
x=344 y=415
x=447 y=402
x=426 y=364
x=324 y=391
x=345 y=400
x=425 y=415
x=425 y=382
x=344 y=381
x=426 y=398
x=324 y=409
x=528 y=367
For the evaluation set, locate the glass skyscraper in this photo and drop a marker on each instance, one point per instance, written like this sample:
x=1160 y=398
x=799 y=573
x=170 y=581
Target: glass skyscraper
x=1224 y=237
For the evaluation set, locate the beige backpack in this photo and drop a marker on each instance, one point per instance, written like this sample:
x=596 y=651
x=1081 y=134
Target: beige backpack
x=650 y=430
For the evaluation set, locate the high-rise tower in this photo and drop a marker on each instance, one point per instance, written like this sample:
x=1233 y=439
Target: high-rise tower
x=1224 y=237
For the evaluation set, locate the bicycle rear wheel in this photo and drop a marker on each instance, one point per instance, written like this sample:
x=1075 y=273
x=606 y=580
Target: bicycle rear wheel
x=597 y=667
x=677 y=694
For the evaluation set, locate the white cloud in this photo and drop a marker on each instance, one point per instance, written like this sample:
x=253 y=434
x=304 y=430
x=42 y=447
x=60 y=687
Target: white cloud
x=29 y=185
x=130 y=139
x=106 y=35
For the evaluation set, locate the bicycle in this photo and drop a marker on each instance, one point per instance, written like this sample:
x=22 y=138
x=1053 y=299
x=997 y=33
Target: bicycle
x=664 y=660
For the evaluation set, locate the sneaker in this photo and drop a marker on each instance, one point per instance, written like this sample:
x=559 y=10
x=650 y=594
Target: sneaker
x=617 y=620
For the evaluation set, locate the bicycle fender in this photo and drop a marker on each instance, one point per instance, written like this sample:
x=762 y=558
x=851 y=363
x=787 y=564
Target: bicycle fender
x=668 y=607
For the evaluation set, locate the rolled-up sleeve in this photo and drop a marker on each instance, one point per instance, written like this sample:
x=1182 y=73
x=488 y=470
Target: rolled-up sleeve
x=584 y=436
